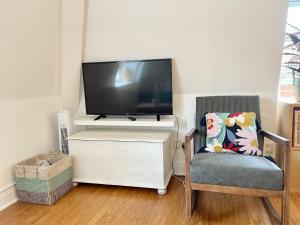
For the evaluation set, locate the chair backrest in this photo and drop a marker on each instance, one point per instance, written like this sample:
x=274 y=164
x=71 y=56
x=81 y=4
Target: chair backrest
x=224 y=104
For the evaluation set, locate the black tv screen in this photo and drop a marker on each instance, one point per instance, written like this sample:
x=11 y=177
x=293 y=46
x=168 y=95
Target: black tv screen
x=141 y=87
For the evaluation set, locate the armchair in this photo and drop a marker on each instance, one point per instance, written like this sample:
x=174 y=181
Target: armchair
x=214 y=172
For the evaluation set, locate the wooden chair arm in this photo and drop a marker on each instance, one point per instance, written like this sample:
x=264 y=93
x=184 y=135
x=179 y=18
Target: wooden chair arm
x=188 y=137
x=276 y=138
x=284 y=150
x=191 y=134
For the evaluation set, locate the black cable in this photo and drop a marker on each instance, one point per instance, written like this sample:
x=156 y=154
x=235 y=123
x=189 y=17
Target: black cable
x=176 y=149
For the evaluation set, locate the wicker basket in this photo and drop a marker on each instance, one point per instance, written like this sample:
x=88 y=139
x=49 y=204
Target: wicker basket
x=44 y=184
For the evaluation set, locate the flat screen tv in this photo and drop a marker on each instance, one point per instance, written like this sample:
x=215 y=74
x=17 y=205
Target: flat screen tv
x=142 y=87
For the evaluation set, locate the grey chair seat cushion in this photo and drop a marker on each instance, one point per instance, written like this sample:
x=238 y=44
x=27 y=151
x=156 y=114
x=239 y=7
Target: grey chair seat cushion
x=236 y=170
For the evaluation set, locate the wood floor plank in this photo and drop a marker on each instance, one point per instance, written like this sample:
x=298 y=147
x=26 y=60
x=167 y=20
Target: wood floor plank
x=111 y=205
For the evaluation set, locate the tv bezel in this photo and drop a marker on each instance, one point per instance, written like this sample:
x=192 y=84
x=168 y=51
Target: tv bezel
x=128 y=114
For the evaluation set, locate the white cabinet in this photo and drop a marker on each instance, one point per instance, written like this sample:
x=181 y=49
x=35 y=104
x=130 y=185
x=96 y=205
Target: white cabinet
x=139 y=158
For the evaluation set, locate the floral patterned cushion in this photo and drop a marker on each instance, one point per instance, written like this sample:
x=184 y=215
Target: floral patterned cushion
x=232 y=132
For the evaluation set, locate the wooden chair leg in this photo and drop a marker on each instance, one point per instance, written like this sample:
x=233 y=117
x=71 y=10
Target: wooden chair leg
x=188 y=200
x=285 y=208
x=270 y=210
x=194 y=199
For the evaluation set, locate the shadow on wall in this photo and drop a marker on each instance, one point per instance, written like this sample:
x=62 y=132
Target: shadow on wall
x=176 y=78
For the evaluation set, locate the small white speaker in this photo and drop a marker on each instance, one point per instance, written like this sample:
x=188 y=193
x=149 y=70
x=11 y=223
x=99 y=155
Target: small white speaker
x=64 y=130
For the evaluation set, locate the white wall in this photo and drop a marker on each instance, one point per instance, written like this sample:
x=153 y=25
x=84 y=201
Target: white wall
x=28 y=127
x=72 y=34
x=29 y=87
x=219 y=47
x=29 y=48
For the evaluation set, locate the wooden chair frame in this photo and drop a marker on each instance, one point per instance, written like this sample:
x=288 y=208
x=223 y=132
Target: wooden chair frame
x=191 y=188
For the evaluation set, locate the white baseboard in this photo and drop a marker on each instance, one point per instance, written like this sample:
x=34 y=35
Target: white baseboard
x=7 y=197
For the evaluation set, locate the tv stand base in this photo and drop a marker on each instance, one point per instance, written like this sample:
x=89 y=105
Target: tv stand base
x=100 y=116
x=132 y=118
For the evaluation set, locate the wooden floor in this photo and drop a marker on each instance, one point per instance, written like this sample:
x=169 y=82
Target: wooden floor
x=97 y=204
